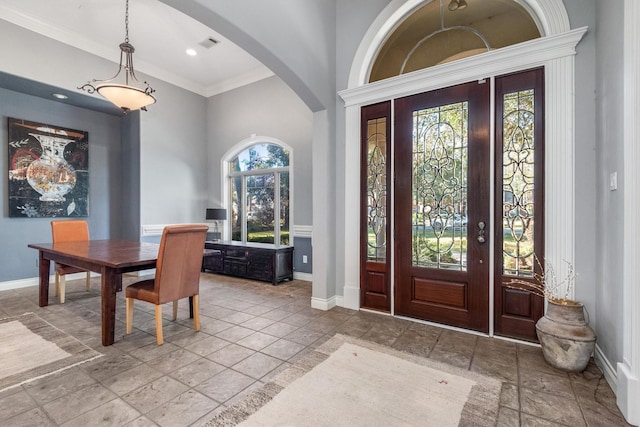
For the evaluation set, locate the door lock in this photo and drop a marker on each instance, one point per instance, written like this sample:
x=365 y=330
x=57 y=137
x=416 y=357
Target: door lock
x=481 y=227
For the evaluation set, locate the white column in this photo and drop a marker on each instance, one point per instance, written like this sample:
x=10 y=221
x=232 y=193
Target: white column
x=352 y=209
x=323 y=286
x=559 y=195
x=628 y=374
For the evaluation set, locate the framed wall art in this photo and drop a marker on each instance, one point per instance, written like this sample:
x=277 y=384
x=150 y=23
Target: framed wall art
x=48 y=170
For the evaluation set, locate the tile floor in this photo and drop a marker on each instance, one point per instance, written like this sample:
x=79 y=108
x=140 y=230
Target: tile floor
x=250 y=332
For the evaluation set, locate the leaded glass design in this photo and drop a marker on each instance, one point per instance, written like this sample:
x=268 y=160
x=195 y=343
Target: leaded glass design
x=518 y=183
x=377 y=189
x=439 y=187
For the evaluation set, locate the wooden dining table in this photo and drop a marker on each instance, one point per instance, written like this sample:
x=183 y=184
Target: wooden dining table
x=110 y=258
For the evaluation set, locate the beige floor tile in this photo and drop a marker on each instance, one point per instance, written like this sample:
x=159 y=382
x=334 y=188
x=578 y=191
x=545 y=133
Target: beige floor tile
x=15 y=403
x=154 y=394
x=257 y=365
x=225 y=385
x=194 y=376
x=197 y=372
x=114 y=413
x=78 y=402
x=183 y=410
x=230 y=355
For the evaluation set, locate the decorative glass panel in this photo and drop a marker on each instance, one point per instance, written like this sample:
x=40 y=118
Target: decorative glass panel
x=377 y=189
x=518 y=183
x=439 y=187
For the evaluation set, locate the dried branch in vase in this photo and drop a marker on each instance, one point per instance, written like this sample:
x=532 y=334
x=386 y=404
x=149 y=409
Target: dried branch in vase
x=546 y=283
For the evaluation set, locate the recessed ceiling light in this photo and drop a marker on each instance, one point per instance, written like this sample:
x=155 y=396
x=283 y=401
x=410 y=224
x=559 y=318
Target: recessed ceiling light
x=191 y=52
x=60 y=96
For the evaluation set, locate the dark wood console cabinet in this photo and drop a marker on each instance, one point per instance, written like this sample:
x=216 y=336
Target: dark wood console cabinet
x=259 y=261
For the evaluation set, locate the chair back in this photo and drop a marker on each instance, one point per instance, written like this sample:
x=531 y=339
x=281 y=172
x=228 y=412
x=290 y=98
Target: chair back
x=179 y=261
x=69 y=231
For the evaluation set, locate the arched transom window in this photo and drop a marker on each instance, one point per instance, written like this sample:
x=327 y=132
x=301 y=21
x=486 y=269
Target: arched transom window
x=259 y=190
x=446 y=30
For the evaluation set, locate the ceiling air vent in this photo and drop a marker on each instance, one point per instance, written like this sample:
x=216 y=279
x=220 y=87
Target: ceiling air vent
x=208 y=43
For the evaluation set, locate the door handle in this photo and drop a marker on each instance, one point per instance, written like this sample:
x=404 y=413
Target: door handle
x=481 y=227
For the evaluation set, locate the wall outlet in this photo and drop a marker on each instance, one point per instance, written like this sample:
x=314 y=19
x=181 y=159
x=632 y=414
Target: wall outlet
x=613 y=181
x=304 y=259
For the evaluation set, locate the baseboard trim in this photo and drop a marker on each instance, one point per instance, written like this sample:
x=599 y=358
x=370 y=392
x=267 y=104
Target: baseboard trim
x=22 y=283
x=35 y=281
x=628 y=394
x=303 y=276
x=351 y=297
x=323 y=304
x=606 y=367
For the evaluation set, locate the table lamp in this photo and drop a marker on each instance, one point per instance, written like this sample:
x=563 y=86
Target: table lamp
x=216 y=214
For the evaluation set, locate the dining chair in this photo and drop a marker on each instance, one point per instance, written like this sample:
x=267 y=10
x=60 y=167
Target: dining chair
x=177 y=274
x=68 y=231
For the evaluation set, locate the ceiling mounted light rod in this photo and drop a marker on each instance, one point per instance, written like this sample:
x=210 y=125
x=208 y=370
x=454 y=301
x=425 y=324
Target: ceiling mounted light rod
x=454 y=5
x=124 y=96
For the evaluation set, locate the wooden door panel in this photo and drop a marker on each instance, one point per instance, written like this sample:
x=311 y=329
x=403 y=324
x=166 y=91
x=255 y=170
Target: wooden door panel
x=442 y=160
x=437 y=292
x=375 y=228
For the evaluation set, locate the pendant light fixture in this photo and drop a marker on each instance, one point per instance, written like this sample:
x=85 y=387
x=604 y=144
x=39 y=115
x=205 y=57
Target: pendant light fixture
x=125 y=96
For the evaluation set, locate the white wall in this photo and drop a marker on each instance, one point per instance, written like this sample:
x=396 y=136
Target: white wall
x=265 y=108
x=610 y=204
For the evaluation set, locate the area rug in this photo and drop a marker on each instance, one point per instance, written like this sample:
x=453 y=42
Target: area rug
x=31 y=348
x=348 y=381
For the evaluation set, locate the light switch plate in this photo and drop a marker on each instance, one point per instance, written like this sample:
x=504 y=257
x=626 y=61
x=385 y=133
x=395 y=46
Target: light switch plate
x=613 y=181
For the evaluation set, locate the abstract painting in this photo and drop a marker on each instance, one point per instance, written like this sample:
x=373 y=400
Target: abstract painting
x=48 y=170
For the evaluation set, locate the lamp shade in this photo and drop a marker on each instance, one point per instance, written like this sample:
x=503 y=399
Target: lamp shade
x=128 y=98
x=216 y=214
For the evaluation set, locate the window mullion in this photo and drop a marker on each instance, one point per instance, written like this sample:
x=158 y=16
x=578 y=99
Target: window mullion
x=244 y=210
x=276 y=209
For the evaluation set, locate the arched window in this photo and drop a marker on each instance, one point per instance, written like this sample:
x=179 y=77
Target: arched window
x=447 y=30
x=259 y=183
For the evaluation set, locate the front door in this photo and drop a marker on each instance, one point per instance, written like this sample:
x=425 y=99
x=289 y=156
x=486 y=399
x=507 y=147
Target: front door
x=442 y=201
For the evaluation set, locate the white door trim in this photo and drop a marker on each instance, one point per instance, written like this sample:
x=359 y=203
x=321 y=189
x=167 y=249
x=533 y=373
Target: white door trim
x=556 y=54
x=628 y=371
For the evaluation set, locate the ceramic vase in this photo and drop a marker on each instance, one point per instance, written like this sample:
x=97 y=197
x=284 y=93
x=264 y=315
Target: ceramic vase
x=566 y=338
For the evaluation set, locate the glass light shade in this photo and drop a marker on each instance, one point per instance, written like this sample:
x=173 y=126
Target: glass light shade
x=126 y=97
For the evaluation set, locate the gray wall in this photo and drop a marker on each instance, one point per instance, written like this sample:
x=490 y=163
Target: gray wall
x=173 y=157
x=610 y=204
x=16 y=260
x=310 y=47
x=266 y=108
x=130 y=188
x=295 y=39
x=165 y=163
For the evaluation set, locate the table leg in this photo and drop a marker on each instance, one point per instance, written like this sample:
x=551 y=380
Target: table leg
x=44 y=268
x=110 y=282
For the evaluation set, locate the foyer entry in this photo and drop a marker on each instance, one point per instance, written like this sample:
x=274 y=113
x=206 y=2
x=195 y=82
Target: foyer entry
x=451 y=251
